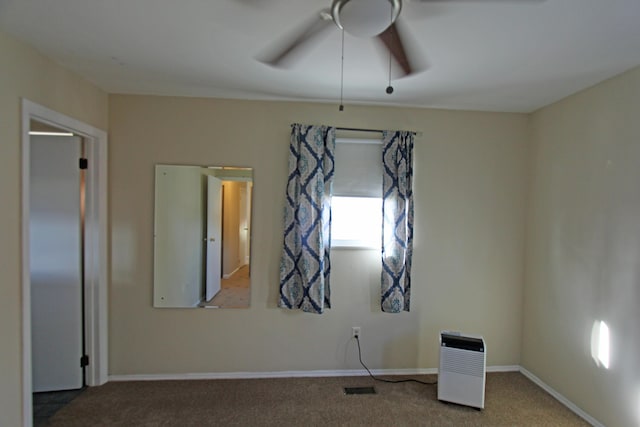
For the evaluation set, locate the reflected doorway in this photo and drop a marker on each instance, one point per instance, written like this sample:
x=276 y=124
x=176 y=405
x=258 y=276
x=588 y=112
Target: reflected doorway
x=233 y=285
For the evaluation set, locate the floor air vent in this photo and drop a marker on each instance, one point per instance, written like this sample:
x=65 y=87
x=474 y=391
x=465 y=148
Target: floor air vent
x=359 y=390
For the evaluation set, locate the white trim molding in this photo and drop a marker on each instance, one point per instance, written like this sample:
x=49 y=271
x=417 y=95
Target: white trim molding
x=290 y=374
x=96 y=248
x=273 y=374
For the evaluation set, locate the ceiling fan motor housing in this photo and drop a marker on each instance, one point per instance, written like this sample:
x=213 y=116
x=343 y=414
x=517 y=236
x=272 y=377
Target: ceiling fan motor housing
x=365 y=18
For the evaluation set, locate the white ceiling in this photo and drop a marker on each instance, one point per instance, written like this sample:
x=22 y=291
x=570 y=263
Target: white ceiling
x=482 y=55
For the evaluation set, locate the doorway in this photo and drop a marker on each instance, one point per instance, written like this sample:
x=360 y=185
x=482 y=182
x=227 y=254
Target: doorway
x=91 y=304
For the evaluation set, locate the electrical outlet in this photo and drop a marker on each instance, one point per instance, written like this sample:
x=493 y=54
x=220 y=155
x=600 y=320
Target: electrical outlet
x=355 y=331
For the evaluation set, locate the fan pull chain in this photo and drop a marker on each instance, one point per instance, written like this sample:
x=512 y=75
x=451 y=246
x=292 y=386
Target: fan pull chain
x=389 y=89
x=341 y=108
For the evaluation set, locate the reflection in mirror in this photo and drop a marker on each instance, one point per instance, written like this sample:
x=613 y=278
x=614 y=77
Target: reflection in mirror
x=202 y=236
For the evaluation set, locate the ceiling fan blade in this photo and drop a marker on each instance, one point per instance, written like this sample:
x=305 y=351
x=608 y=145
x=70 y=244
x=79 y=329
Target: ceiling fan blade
x=399 y=49
x=252 y=3
x=285 y=50
x=478 y=1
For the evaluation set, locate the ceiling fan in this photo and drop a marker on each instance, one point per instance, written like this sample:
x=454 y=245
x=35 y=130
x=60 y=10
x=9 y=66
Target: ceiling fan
x=360 y=18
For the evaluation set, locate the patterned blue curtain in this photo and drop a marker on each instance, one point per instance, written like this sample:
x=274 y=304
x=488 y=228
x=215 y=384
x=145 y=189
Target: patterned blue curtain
x=397 y=224
x=305 y=265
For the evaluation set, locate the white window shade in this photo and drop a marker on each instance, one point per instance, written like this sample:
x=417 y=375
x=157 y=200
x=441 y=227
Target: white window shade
x=358 y=168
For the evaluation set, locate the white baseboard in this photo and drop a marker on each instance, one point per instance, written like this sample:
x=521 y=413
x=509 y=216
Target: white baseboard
x=504 y=368
x=290 y=374
x=274 y=374
x=227 y=276
x=352 y=372
x=560 y=398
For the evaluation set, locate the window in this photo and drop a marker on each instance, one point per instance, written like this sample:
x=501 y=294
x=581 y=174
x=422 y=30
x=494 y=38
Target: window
x=356 y=205
x=356 y=222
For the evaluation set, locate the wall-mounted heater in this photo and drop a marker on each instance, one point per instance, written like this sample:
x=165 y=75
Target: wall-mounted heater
x=461 y=377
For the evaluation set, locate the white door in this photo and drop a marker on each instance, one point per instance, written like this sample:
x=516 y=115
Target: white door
x=55 y=259
x=214 y=236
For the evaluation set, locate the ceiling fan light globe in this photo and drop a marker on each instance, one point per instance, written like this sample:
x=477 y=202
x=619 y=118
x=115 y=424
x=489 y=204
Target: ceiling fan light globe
x=365 y=18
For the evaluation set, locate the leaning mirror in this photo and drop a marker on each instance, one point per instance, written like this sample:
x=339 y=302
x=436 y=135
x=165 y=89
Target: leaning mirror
x=202 y=236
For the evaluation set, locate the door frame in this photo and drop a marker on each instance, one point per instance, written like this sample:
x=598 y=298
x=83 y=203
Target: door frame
x=95 y=252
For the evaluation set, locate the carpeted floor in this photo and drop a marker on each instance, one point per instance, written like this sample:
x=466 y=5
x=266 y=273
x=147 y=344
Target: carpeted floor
x=234 y=291
x=46 y=404
x=510 y=400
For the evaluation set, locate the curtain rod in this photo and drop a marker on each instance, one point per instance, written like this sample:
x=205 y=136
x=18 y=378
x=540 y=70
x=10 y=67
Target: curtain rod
x=371 y=130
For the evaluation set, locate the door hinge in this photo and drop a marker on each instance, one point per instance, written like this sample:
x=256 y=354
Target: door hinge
x=84 y=163
x=84 y=361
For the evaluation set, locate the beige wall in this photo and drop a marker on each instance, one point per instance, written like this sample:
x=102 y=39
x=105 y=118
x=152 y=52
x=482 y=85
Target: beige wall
x=583 y=248
x=25 y=73
x=470 y=172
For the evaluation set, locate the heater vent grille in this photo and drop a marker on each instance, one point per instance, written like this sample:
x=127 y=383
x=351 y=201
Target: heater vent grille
x=462 y=361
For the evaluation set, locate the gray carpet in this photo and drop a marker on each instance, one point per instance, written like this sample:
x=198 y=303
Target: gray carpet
x=511 y=400
x=46 y=404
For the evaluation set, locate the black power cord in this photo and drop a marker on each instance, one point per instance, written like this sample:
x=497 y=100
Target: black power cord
x=385 y=380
